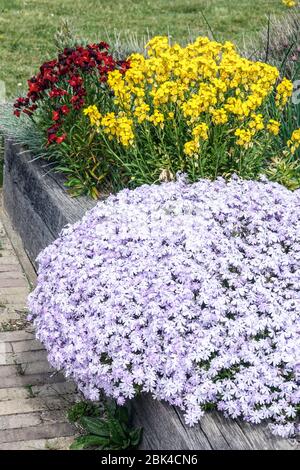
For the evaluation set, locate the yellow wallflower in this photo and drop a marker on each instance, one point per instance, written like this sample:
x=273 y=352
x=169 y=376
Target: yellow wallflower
x=141 y=111
x=191 y=148
x=256 y=124
x=289 y=3
x=121 y=90
x=108 y=122
x=294 y=142
x=157 y=118
x=204 y=82
x=244 y=137
x=273 y=127
x=124 y=129
x=219 y=116
x=93 y=113
x=284 y=92
x=115 y=126
x=200 y=131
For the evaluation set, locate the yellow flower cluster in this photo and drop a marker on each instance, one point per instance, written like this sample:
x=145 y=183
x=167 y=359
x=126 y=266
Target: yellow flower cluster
x=200 y=133
x=206 y=83
x=294 y=142
x=244 y=137
x=284 y=91
x=273 y=127
x=93 y=113
x=289 y=3
x=118 y=126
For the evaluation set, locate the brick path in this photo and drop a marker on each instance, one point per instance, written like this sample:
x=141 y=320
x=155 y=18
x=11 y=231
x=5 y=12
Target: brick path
x=33 y=397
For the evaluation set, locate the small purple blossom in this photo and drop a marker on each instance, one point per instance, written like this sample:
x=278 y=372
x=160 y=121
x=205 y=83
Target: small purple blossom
x=188 y=291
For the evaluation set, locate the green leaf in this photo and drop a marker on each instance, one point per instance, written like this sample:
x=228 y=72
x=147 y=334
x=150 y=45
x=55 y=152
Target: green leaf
x=116 y=431
x=122 y=414
x=95 y=426
x=73 y=182
x=110 y=408
x=89 y=441
x=126 y=444
x=136 y=436
x=64 y=169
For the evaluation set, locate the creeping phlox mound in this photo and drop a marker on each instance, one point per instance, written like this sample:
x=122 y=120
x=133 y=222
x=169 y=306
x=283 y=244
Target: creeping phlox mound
x=188 y=291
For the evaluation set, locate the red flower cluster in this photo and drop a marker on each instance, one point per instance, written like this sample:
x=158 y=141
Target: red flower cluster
x=63 y=81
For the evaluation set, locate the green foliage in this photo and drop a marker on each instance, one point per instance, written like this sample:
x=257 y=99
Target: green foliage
x=285 y=171
x=209 y=406
x=111 y=431
x=78 y=157
x=81 y=409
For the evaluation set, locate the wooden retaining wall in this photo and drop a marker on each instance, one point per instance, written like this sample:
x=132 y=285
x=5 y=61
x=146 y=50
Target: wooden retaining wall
x=39 y=207
x=36 y=200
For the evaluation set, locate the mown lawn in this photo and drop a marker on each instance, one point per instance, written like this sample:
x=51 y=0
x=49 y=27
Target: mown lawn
x=27 y=27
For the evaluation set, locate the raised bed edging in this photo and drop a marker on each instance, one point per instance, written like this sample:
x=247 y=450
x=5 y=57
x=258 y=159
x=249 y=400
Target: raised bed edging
x=36 y=200
x=39 y=207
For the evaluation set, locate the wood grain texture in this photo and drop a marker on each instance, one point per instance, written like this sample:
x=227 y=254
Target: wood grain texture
x=165 y=429
x=39 y=207
x=36 y=200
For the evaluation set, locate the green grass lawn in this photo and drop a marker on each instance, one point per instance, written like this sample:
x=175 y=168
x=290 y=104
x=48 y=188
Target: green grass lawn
x=27 y=27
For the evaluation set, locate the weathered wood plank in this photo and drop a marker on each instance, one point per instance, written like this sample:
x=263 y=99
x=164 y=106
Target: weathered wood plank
x=31 y=193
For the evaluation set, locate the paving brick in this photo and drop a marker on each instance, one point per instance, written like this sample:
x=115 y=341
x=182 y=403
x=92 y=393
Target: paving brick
x=12 y=275
x=9 y=260
x=62 y=443
x=7 y=292
x=33 y=396
x=28 y=369
x=6 y=251
x=5 y=348
x=30 y=405
x=53 y=416
x=20 y=421
x=28 y=345
x=33 y=379
x=55 y=389
x=41 y=431
x=23 y=357
x=12 y=336
x=13 y=283
x=8 y=315
x=8 y=267
x=32 y=419
x=16 y=301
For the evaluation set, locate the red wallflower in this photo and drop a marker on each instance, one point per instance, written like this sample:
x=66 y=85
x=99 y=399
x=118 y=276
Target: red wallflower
x=55 y=92
x=55 y=115
x=34 y=86
x=57 y=76
x=65 y=109
x=60 y=139
x=75 y=81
